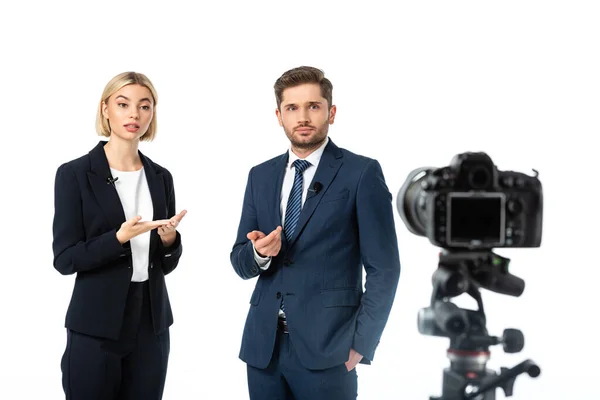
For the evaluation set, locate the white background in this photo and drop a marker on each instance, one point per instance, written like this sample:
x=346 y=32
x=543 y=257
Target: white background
x=415 y=83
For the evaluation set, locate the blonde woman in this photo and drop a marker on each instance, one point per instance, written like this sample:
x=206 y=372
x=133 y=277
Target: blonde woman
x=115 y=227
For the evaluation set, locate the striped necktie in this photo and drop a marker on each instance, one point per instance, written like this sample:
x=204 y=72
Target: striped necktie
x=294 y=205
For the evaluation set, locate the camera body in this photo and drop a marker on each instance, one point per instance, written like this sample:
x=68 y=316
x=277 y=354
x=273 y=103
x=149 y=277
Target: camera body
x=470 y=204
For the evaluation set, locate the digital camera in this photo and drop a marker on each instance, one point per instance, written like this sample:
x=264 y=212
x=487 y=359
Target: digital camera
x=472 y=205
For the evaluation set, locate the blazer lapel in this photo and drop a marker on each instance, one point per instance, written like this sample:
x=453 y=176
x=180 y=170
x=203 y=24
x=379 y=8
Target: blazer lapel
x=156 y=185
x=274 y=199
x=330 y=163
x=105 y=192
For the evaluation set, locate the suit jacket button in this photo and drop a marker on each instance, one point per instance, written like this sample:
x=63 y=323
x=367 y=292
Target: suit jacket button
x=278 y=295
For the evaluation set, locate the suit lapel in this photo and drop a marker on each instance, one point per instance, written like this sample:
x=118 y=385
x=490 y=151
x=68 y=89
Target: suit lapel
x=106 y=194
x=274 y=199
x=158 y=193
x=330 y=163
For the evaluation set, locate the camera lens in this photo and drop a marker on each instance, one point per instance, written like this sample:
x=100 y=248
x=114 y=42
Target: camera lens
x=411 y=201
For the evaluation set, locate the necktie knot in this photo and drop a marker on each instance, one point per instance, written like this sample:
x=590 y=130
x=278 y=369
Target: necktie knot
x=301 y=165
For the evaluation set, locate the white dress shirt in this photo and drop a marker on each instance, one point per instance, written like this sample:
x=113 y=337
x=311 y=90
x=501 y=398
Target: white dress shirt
x=288 y=181
x=134 y=194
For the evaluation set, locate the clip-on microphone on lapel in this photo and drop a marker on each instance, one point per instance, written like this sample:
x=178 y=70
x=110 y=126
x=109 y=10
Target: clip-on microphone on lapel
x=111 y=181
x=317 y=186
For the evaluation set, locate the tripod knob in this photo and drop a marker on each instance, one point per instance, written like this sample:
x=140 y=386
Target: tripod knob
x=513 y=340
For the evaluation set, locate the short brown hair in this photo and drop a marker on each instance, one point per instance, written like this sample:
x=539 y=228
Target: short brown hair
x=115 y=84
x=301 y=75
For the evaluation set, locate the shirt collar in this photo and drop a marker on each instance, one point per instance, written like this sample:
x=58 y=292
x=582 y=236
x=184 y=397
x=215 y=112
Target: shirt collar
x=313 y=158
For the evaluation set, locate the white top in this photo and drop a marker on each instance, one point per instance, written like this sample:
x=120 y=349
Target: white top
x=134 y=193
x=288 y=181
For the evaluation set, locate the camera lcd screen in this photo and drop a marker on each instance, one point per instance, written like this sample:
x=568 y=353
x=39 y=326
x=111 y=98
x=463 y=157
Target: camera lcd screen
x=476 y=219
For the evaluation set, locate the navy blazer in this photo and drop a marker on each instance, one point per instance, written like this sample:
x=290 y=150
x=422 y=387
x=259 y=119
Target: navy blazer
x=88 y=214
x=348 y=224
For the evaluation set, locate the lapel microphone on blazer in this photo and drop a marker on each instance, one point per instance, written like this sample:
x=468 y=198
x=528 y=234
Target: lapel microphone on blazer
x=316 y=188
x=111 y=181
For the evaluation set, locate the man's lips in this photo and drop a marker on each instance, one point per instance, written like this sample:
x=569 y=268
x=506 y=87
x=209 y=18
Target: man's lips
x=304 y=129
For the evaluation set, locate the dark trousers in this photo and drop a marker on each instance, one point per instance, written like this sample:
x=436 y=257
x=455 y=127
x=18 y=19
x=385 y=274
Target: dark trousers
x=286 y=379
x=131 y=368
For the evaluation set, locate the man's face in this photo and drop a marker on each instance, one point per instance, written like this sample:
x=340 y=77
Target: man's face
x=305 y=116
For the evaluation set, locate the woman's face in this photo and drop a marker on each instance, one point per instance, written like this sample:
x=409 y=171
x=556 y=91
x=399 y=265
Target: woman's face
x=129 y=111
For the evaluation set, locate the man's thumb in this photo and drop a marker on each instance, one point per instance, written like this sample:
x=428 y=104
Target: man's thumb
x=255 y=235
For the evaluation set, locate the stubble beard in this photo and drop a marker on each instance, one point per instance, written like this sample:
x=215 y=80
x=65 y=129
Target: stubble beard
x=314 y=143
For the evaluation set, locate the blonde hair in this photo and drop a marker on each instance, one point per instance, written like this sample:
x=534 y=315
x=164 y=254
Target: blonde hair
x=115 y=84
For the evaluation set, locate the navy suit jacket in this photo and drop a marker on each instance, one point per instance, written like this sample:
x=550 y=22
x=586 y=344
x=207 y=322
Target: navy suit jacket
x=344 y=227
x=88 y=214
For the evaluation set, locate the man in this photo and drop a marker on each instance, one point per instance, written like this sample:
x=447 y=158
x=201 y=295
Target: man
x=311 y=219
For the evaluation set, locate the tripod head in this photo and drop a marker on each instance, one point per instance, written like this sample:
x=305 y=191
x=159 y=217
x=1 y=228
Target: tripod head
x=466 y=272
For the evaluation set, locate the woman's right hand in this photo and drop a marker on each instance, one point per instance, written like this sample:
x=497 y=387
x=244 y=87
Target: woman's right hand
x=133 y=227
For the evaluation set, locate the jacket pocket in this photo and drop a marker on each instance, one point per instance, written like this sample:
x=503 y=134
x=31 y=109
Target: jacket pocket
x=335 y=196
x=341 y=298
